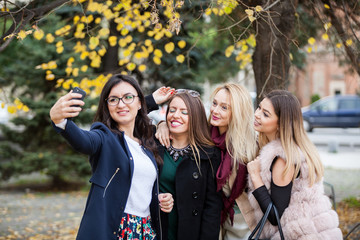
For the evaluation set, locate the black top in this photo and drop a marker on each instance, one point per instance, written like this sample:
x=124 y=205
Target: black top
x=280 y=196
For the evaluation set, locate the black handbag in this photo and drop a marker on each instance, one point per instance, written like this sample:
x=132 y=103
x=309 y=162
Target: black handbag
x=259 y=227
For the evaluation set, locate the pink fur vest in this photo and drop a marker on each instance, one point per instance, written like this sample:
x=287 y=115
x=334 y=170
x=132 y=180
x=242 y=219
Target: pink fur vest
x=309 y=214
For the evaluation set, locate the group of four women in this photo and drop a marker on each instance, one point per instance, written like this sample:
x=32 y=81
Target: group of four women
x=194 y=181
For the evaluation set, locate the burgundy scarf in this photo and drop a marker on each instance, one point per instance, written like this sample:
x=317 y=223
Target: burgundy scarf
x=223 y=175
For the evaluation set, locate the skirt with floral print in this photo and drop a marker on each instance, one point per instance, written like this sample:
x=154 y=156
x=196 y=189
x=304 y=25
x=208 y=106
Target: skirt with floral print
x=136 y=228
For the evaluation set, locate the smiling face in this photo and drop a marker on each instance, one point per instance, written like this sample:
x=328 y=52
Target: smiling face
x=266 y=121
x=124 y=114
x=177 y=117
x=220 y=111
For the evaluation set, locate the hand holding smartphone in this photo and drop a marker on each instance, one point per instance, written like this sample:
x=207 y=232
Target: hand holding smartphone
x=82 y=92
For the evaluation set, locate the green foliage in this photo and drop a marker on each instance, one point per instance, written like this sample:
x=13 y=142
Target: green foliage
x=315 y=97
x=31 y=143
x=352 y=201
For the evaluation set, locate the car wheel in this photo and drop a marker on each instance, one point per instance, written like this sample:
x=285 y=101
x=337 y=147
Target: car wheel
x=307 y=126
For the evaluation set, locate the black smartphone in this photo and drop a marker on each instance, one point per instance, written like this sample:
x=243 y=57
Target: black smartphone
x=82 y=92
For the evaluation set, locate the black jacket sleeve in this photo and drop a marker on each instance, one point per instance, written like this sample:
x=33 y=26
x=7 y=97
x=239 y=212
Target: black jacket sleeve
x=150 y=103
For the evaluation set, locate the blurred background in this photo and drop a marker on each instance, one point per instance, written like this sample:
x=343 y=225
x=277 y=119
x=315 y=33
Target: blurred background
x=310 y=48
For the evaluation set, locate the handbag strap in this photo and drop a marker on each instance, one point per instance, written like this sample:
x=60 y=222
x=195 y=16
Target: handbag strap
x=259 y=227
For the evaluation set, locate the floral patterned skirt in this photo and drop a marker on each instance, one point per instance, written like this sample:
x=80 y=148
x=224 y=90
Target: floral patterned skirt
x=136 y=228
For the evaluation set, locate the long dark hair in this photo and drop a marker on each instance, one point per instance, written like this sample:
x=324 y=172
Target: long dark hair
x=143 y=129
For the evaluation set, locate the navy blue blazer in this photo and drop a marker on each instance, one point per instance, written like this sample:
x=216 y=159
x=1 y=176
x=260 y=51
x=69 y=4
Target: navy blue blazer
x=112 y=171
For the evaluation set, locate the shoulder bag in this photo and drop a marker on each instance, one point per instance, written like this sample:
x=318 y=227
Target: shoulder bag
x=259 y=227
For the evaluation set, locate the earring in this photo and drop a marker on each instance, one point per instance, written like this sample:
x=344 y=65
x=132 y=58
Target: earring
x=139 y=108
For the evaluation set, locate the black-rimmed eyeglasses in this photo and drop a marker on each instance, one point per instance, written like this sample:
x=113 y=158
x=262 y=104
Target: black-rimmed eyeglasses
x=192 y=93
x=126 y=99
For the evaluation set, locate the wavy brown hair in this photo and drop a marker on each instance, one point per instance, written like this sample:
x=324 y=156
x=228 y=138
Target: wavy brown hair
x=143 y=129
x=199 y=134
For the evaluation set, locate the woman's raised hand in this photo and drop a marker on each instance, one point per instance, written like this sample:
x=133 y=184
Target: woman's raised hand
x=66 y=107
x=163 y=94
x=166 y=202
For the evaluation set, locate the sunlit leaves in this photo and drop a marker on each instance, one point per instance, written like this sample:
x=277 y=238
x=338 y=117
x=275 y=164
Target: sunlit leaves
x=169 y=47
x=242 y=50
x=182 y=44
x=38 y=34
x=311 y=41
x=180 y=58
x=49 y=38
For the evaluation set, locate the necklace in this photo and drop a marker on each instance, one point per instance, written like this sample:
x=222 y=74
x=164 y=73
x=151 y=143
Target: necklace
x=175 y=153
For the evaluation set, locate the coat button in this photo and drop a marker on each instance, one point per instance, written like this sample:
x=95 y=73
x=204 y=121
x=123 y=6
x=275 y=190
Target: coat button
x=195 y=212
x=195 y=175
x=195 y=195
x=114 y=233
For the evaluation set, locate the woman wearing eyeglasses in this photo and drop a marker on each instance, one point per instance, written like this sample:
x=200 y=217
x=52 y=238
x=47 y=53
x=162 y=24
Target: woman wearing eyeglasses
x=188 y=171
x=123 y=201
x=231 y=125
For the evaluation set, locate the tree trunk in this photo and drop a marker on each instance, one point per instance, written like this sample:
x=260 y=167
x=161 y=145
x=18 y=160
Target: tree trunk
x=271 y=61
x=111 y=57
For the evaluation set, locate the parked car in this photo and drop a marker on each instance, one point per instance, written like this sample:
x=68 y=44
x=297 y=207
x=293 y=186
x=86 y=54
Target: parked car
x=342 y=111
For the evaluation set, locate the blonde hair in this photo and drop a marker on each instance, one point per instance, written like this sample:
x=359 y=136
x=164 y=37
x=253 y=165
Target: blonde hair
x=292 y=135
x=240 y=135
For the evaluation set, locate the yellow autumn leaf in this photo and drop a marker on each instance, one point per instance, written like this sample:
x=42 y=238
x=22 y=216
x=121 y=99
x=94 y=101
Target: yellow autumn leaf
x=2 y=105
x=148 y=42
x=215 y=11
x=128 y=39
x=326 y=6
x=75 y=72
x=180 y=58
x=182 y=44
x=131 y=66
x=141 y=29
x=229 y=50
x=22 y=34
x=39 y=34
x=309 y=49
x=228 y=10
x=169 y=47
x=327 y=25
x=84 y=55
x=142 y=68
x=157 y=60
x=50 y=77
x=127 y=53
x=52 y=65
x=49 y=38
x=251 y=41
x=76 y=19
x=325 y=36
x=60 y=49
x=251 y=18
x=258 y=8
x=112 y=41
x=68 y=71
x=11 y=109
x=104 y=32
x=158 y=53
x=84 y=68
x=338 y=45
x=95 y=63
x=249 y=12
x=102 y=51
x=349 y=42
x=25 y=108
x=98 y=20
x=208 y=11
x=291 y=56
x=311 y=41
x=93 y=42
x=124 y=31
